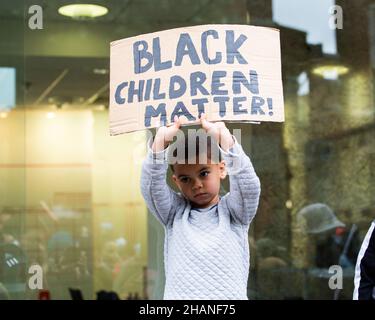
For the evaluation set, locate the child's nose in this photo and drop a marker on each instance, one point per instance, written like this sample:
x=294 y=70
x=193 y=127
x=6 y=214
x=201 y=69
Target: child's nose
x=197 y=184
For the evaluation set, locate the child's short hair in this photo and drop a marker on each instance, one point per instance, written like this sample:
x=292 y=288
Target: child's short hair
x=196 y=145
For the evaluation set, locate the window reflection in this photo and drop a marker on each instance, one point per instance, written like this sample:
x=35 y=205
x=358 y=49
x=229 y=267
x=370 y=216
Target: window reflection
x=69 y=194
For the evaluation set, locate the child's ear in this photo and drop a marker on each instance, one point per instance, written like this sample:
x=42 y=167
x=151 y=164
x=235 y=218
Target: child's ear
x=223 y=170
x=174 y=178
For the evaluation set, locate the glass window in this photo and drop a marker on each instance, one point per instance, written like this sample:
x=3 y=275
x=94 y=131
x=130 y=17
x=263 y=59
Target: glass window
x=71 y=211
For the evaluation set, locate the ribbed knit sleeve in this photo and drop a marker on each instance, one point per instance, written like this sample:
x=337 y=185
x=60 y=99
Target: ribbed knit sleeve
x=243 y=197
x=161 y=200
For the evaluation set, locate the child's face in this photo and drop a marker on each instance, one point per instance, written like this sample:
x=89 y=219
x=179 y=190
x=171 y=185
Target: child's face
x=200 y=183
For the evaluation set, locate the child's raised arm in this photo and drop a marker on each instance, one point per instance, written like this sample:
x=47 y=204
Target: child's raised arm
x=159 y=197
x=243 y=197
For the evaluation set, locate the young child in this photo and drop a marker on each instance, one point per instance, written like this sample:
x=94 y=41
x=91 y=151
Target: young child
x=206 y=251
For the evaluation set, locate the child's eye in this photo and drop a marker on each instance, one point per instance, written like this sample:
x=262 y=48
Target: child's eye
x=204 y=173
x=184 y=179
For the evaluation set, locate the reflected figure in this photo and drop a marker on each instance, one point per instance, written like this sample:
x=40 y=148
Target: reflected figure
x=67 y=255
x=13 y=260
x=330 y=243
x=334 y=243
x=107 y=265
x=272 y=271
x=9 y=226
x=269 y=254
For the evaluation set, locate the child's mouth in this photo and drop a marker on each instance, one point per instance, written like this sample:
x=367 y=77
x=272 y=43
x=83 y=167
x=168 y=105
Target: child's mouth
x=200 y=195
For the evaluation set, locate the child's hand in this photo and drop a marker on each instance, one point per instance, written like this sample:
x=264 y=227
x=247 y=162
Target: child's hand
x=219 y=131
x=165 y=135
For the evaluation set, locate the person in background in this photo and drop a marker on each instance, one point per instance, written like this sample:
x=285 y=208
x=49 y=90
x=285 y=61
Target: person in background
x=269 y=254
x=334 y=243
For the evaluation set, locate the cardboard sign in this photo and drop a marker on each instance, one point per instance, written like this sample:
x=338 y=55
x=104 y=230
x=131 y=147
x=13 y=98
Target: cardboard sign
x=228 y=72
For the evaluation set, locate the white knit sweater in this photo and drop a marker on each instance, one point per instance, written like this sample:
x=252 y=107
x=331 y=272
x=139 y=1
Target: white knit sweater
x=206 y=251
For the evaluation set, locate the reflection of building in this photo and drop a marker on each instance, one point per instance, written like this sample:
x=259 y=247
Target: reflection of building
x=324 y=131
x=341 y=144
x=274 y=151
